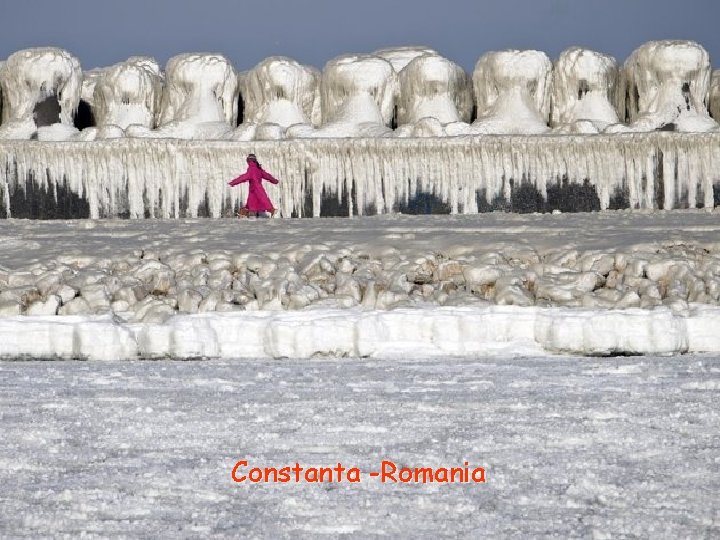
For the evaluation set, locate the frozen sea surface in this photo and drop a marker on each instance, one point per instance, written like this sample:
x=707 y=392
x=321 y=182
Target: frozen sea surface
x=618 y=447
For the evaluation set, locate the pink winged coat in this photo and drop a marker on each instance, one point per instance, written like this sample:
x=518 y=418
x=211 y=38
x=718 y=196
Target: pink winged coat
x=258 y=200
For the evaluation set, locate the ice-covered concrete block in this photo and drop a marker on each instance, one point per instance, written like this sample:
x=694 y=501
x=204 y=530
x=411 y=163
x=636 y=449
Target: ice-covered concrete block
x=666 y=85
x=39 y=87
x=512 y=92
x=583 y=89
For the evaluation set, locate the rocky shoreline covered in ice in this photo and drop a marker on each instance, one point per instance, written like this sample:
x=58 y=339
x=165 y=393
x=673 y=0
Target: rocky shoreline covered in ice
x=592 y=283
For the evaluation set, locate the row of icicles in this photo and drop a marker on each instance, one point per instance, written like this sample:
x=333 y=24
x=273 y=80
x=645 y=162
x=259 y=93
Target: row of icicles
x=173 y=178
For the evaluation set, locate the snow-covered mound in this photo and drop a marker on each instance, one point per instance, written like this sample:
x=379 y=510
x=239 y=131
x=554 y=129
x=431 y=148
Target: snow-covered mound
x=280 y=92
x=587 y=284
x=434 y=92
x=665 y=85
x=128 y=93
x=39 y=87
x=200 y=98
x=512 y=92
x=357 y=96
x=583 y=91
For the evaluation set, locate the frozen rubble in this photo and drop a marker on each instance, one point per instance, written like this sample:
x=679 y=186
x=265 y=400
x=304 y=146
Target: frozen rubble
x=630 y=283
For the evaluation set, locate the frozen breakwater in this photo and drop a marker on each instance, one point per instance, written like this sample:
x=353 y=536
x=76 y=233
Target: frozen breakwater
x=597 y=283
x=169 y=178
x=368 y=135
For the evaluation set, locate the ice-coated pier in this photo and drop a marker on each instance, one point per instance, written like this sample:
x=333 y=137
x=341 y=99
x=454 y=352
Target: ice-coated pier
x=168 y=178
x=368 y=134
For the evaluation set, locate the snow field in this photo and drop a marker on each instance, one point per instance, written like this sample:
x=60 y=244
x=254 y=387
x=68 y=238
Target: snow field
x=600 y=448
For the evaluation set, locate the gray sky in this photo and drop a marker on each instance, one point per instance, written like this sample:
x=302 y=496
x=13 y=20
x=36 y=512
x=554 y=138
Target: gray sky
x=102 y=32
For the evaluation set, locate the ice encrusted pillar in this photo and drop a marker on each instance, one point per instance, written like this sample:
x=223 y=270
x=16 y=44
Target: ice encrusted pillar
x=31 y=77
x=200 y=97
x=357 y=97
x=666 y=85
x=512 y=92
x=128 y=93
x=278 y=93
x=583 y=91
x=434 y=92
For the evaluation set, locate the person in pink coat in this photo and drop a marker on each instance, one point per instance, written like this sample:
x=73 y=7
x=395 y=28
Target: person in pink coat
x=258 y=200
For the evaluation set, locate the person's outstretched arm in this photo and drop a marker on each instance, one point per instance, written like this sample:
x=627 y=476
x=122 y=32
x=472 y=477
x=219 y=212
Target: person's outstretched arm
x=269 y=177
x=240 y=179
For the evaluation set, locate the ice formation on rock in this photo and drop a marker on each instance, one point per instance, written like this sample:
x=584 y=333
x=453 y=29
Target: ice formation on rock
x=512 y=92
x=278 y=93
x=714 y=104
x=665 y=85
x=357 y=96
x=583 y=91
x=599 y=285
x=39 y=87
x=200 y=98
x=433 y=92
x=128 y=93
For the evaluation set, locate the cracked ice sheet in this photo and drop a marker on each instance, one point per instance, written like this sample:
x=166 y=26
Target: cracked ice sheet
x=620 y=447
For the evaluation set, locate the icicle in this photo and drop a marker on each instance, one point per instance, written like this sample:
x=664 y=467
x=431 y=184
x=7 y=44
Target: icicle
x=172 y=178
x=683 y=175
x=650 y=161
x=5 y=184
x=705 y=158
x=668 y=166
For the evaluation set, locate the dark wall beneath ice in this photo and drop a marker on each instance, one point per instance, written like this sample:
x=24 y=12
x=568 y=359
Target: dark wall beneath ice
x=525 y=198
x=36 y=202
